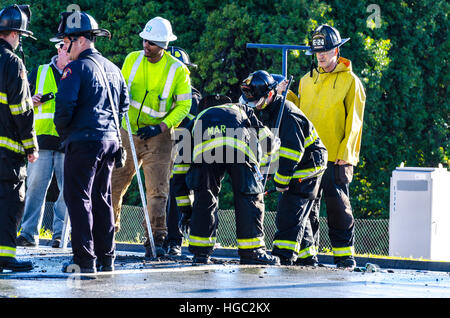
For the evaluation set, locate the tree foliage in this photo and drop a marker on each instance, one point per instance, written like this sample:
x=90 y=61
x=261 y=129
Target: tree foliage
x=401 y=56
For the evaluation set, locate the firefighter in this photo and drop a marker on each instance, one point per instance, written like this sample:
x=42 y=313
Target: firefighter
x=174 y=237
x=301 y=162
x=160 y=98
x=225 y=140
x=85 y=118
x=333 y=98
x=17 y=135
x=44 y=80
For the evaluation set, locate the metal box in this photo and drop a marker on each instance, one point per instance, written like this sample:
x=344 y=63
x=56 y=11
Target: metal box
x=419 y=222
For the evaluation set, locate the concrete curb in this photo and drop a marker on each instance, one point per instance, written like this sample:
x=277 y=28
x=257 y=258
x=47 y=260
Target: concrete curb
x=385 y=263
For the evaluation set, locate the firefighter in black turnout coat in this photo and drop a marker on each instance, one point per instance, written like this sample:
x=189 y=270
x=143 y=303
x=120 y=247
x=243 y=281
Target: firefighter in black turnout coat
x=17 y=136
x=225 y=140
x=302 y=159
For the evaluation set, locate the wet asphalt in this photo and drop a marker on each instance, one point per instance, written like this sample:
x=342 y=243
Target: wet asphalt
x=178 y=278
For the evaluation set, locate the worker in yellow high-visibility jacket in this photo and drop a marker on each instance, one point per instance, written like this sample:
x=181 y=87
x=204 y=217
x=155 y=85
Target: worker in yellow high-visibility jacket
x=160 y=98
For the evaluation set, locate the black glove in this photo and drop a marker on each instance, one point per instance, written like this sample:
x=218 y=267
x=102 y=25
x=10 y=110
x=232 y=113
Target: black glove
x=185 y=221
x=148 y=132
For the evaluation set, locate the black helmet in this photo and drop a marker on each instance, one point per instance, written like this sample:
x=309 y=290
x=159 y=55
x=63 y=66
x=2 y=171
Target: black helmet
x=181 y=54
x=79 y=23
x=257 y=85
x=325 y=38
x=16 y=18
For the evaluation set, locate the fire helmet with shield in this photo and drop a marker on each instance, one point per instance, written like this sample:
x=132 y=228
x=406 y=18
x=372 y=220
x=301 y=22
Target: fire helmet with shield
x=325 y=38
x=16 y=18
x=257 y=86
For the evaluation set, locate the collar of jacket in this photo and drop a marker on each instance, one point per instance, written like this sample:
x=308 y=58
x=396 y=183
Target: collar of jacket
x=87 y=52
x=6 y=44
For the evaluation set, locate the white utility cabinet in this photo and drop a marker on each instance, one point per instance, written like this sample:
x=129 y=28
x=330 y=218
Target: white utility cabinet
x=419 y=221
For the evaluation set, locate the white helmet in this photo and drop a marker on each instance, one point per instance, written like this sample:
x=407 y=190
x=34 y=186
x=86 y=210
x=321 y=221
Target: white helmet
x=158 y=30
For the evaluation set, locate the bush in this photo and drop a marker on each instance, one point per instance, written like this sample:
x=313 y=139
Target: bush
x=400 y=58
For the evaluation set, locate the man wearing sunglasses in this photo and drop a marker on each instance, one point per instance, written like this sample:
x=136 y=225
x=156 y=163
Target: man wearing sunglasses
x=159 y=86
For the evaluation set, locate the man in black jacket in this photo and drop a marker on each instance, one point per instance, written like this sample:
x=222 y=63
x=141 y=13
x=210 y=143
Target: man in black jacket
x=85 y=121
x=17 y=136
x=302 y=161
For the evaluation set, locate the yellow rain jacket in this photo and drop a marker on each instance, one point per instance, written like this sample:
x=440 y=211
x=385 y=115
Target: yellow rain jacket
x=334 y=103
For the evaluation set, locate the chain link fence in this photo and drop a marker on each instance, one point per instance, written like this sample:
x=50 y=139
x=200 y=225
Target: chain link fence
x=371 y=235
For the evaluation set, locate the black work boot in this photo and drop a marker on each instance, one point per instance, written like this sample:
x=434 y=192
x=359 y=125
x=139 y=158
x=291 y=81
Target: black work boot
x=22 y=241
x=307 y=261
x=258 y=257
x=72 y=267
x=16 y=266
x=159 y=248
x=105 y=265
x=174 y=250
x=345 y=262
x=201 y=259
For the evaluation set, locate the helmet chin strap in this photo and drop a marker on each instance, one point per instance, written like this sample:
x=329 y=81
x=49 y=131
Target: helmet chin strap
x=21 y=49
x=71 y=42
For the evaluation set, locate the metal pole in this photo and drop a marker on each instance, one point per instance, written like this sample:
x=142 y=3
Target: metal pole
x=141 y=188
x=285 y=49
x=65 y=231
x=277 y=126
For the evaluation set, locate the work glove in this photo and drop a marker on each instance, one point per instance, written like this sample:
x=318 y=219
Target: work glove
x=148 y=132
x=185 y=221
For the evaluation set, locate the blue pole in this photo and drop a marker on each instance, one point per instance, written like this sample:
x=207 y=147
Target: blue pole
x=285 y=49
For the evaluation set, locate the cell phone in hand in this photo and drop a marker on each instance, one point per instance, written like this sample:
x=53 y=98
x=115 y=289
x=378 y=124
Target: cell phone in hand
x=47 y=97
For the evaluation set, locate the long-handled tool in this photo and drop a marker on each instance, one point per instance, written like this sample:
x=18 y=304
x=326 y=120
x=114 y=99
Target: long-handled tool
x=277 y=126
x=141 y=188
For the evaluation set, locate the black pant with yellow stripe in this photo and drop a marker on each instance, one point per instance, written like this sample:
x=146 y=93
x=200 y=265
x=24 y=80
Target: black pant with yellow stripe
x=334 y=188
x=12 y=204
x=205 y=180
x=294 y=208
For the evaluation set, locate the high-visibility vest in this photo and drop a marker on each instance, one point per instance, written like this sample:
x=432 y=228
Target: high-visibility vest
x=160 y=99
x=43 y=114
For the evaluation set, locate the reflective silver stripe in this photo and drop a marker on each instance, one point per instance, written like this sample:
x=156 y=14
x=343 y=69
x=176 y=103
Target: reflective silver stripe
x=147 y=109
x=11 y=145
x=183 y=201
x=289 y=245
x=3 y=98
x=168 y=86
x=181 y=169
x=309 y=251
x=133 y=71
x=7 y=251
x=343 y=251
x=250 y=243
x=42 y=77
x=202 y=241
x=182 y=97
x=44 y=116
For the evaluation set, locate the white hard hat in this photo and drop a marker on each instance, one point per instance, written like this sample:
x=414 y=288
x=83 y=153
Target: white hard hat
x=158 y=30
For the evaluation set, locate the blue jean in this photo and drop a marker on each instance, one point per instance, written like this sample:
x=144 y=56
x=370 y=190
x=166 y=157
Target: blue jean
x=40 y=175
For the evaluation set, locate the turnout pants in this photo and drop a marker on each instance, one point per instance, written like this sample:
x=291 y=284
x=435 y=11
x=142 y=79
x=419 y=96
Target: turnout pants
x=205 y=180
x=294 y=207
x=334 y=188
x=87 y=192
x=12 y=203
x=154 y=155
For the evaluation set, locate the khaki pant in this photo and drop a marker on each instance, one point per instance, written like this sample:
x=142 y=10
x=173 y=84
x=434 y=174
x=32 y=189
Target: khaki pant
x=154 y=155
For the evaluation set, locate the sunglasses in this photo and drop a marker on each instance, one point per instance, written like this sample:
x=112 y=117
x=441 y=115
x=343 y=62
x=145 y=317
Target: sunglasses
x=149 y=42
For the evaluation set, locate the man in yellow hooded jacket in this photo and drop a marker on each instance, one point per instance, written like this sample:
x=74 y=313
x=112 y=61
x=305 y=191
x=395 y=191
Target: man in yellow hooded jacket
x=333 y=98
